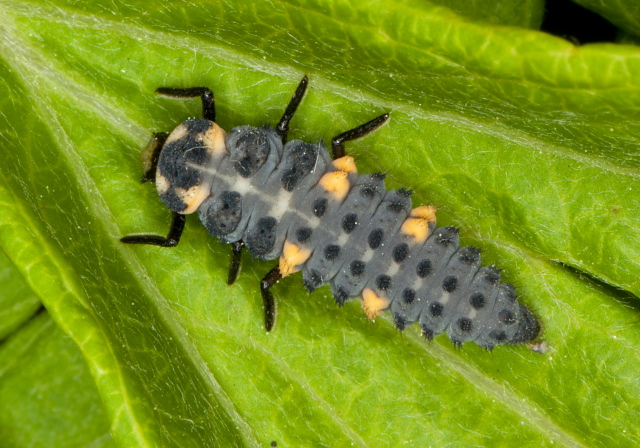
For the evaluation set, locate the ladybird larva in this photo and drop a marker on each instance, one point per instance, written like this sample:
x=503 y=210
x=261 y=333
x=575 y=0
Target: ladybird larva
x=289 y=199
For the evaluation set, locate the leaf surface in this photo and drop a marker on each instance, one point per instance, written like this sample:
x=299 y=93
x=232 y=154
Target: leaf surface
x=524 y=141
x=17 y=302
x=47 y=396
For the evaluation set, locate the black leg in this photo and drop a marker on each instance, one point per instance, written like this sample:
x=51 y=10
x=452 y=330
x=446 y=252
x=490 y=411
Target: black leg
x=208 y=102
x=150 y=156
x=236 y=253
x=283 y=125
x=337 y=144
x=267 y=298
x=172 y=239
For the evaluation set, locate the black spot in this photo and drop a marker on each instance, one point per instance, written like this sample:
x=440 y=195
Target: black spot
x=469 y=255
x=197 y=155
x=315 y=280
x=400 y=321
x=222 y=215
x=424 y=268
x=456 y=342
x=506 y=317
x=300 y=162
x=492 y=275
x=446 y=236
x=320 y=207
x=331 y=252
x=198 y=126
x=375 y=238
x=450 y=283
x=349 y=222
x=357 y=267
x=176 y=156
x=528 y=327
x=249 y=151
x=477 y=300
x=303 y=234
x=173 y=201
x=341 y=296
x=396 y=206
x=378 y=176
x=261 y=238
x=408 y=295
x=274 y=444
x=368 y=190
x=464 y=323
x=400 y=252
x=435 y=309
x=509 y=292
x=176 y=169
x=290 y=178
x=405 y=192
x=427 y=332
x=498 y=335
x=383 y=282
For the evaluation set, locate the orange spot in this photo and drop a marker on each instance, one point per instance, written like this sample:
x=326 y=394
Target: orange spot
x=292 y=257
x=213 y=139
x=346 y=164
x=427 y=212
x=418 y=223
x=193 y=197
x=336 y=183
x=373 y=304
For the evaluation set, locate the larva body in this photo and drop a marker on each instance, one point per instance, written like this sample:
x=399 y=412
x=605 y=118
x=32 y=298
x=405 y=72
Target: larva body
x=290 y=200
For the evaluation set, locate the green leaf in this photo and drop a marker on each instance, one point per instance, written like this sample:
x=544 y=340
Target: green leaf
x=524 y=141
x=17 y=302
x=47 y=396
x=527 y=13
x=625 y=14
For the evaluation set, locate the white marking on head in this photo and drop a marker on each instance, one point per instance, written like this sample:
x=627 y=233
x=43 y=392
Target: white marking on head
x=178 y=133
x=162 y=183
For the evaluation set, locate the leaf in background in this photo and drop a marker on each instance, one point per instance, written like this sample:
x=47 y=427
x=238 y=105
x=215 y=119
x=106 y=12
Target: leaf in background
x=526 y=142
x=625 y=14
x=47 y=396
x=526 y=14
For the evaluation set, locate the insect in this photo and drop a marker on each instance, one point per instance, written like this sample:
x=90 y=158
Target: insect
x=291 y=200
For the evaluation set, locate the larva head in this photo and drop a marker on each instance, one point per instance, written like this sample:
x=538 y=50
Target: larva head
x=182 y=177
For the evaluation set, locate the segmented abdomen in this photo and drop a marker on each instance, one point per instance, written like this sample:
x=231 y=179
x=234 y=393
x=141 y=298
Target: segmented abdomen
x=320 y=217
